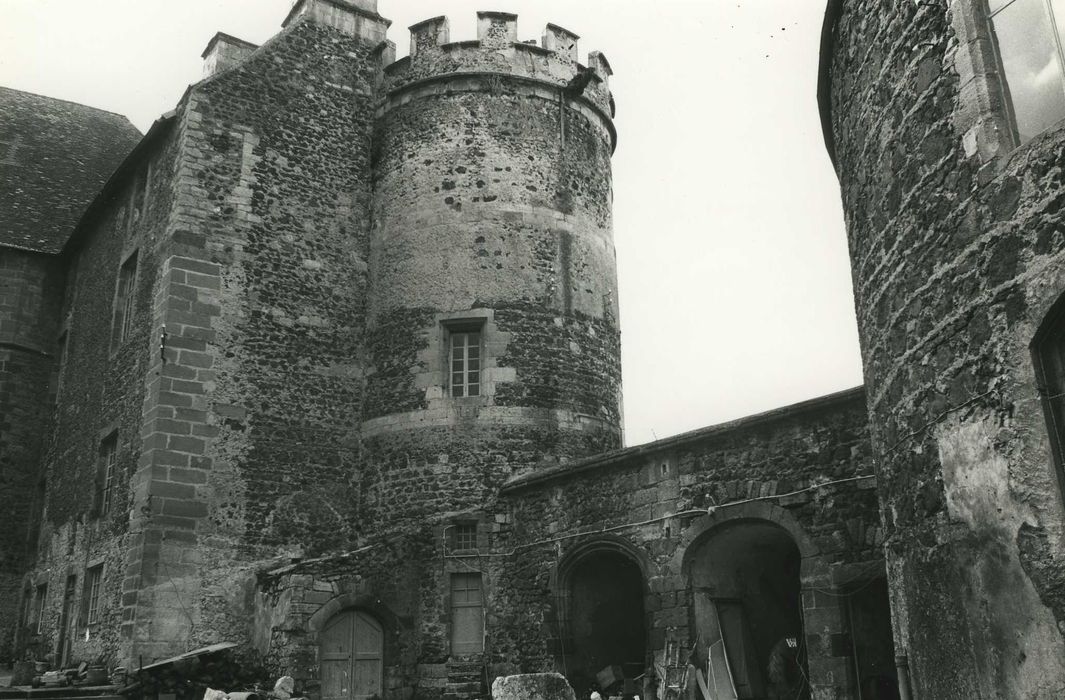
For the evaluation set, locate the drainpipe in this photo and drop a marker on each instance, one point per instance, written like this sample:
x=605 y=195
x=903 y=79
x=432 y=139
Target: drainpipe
x=902 y=665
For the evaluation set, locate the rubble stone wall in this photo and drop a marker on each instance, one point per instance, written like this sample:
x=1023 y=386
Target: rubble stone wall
x=958 y=254
x=312 y=227
x=250 y=434
x=99 y=393
x=628 y=502
x=31 y=288
x=492 y=207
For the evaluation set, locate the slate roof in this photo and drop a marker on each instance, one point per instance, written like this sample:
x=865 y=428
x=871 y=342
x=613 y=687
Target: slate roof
x=55 y=156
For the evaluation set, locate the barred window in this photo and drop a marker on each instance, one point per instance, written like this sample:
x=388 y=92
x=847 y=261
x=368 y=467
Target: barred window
x=465 y=536
x=465 y=357
x=1028 y=37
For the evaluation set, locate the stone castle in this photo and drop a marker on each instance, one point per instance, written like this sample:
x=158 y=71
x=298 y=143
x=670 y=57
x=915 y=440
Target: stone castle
x=326 y=364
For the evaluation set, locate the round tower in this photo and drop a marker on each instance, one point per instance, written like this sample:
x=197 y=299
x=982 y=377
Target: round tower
x=952 y=192
x=492 y=318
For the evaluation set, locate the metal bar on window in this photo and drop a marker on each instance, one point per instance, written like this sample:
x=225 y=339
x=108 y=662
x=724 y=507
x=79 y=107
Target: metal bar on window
x=1000 y=9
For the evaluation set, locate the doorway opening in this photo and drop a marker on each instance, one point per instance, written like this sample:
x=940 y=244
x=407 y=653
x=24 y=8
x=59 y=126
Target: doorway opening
x=869 y=615
x=607 y=626
x=351 y=652
x=748 y=615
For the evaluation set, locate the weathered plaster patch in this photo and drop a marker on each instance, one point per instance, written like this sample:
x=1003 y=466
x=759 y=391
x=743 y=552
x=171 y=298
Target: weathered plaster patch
x=1019 y=632
x=976 y=478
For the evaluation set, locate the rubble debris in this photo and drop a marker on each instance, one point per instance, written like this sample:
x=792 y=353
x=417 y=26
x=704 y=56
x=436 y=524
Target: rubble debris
x=284 y=688
x=532 y=686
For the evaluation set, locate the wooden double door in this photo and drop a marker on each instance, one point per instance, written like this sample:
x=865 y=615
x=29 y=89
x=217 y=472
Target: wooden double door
x=352 y=657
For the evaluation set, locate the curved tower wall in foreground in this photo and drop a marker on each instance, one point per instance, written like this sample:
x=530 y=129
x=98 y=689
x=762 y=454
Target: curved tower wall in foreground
x=955 y=233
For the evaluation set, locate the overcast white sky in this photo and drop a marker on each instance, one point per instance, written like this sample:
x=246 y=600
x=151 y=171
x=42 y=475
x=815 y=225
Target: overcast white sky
x=732 y=258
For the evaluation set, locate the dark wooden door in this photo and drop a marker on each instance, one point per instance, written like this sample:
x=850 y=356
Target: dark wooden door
x=352 y=656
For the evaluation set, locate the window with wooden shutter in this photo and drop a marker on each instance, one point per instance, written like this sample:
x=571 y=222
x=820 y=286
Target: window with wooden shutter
x=106 y=473
x=467 y=613
x=124 y=307
x=39 y=599
x=91 y=594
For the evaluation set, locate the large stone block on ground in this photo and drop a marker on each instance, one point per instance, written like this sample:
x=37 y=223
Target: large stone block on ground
x=532 y=686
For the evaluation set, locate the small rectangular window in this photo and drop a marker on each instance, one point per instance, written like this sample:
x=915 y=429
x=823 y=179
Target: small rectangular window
x=93 y=585
x=138 y=198
x=39 y=599
x=465 y=362
x=106 y=470
x=465 y=536
x=467 y=614
x=124 y=300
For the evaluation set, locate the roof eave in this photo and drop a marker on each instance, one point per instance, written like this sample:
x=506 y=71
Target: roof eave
x=158 y=129
x=541 y=477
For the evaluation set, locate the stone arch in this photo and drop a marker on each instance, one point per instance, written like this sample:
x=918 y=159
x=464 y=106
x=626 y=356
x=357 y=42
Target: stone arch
x=581 y=602
x=1045 y=349
x=351 y=655
x=601 y=543
x=814 y=567
x=1047 y=309
x=745 y=568
x=352 y=600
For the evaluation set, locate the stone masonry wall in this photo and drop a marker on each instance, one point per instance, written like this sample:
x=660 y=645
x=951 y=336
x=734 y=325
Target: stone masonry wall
x=546 y=518
x=100 y=393
x=492 y=206
x=31 y=287
x=837 y=528
x=958 y=253
x=250 y=432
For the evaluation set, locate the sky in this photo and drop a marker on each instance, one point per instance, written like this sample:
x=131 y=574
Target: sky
x=735 y=286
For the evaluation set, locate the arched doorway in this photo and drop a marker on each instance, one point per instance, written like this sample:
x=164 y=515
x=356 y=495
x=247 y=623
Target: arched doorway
x=747 y=609
x=605 y=610
x=351 y=648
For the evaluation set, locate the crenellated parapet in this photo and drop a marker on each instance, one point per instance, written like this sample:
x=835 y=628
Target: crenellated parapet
x=551 y=63
x=496 y=60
